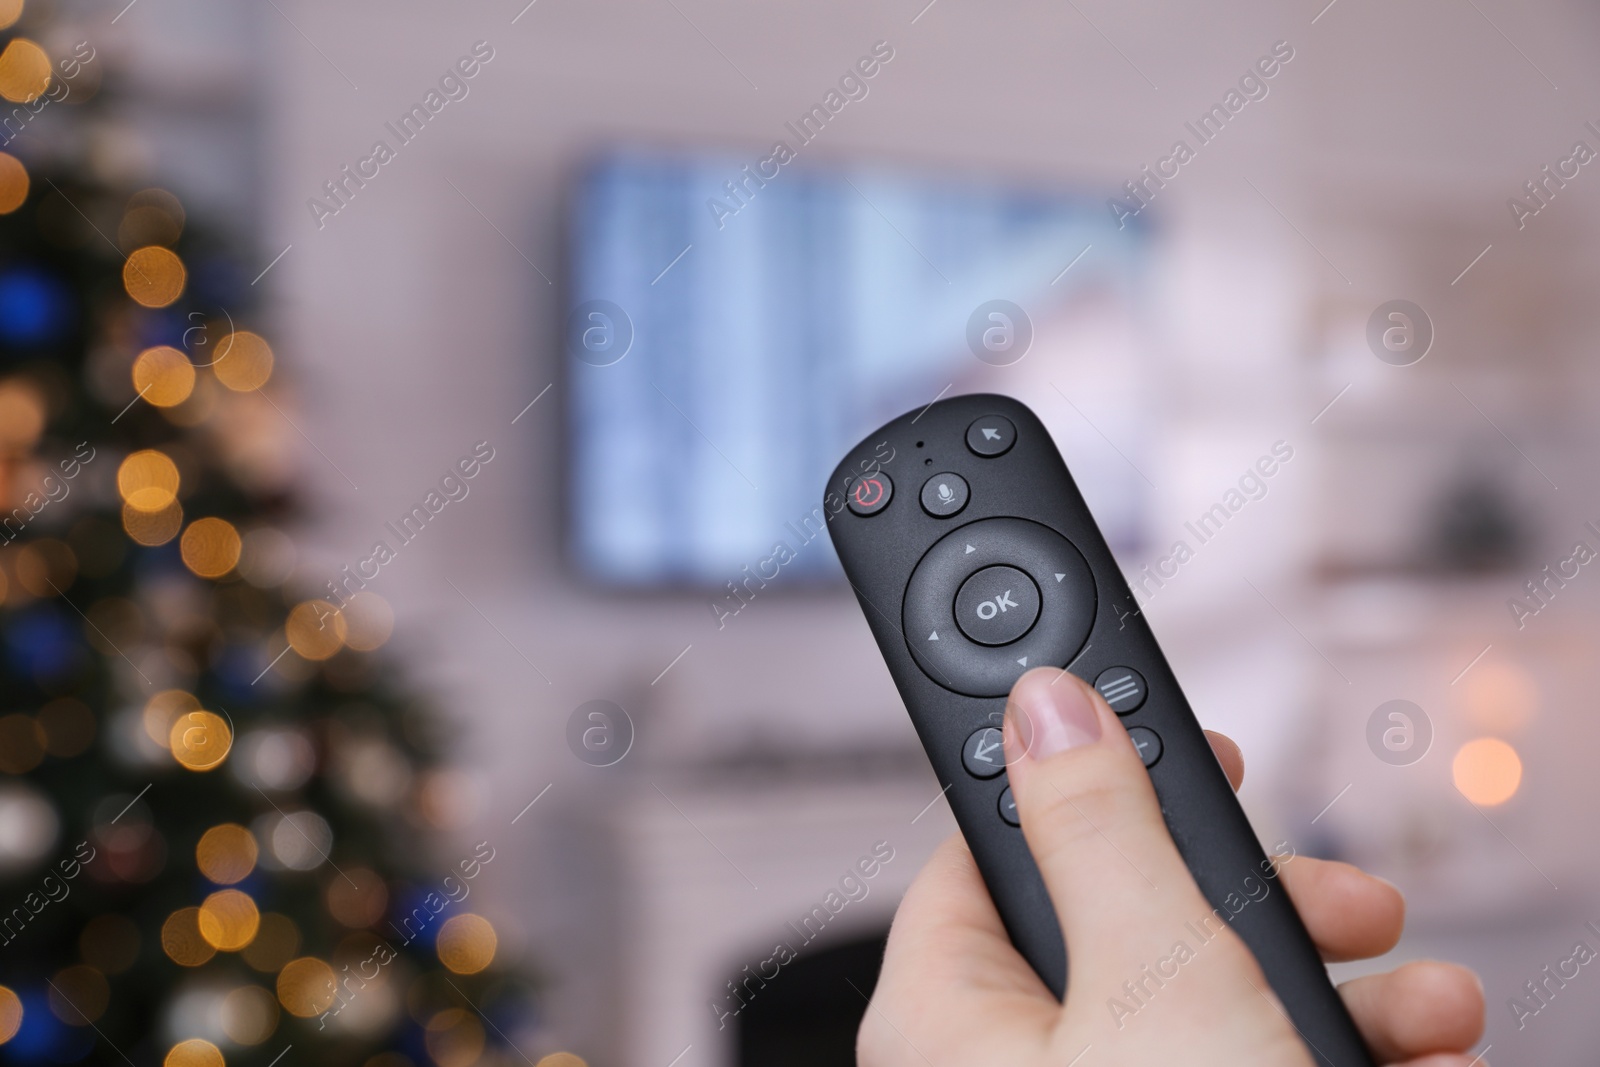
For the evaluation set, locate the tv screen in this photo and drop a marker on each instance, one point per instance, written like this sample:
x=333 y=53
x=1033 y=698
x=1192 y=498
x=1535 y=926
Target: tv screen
x=730 y=336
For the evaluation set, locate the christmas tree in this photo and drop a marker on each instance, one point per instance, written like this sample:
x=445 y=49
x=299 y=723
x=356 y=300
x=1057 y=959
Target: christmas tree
x=212 y=788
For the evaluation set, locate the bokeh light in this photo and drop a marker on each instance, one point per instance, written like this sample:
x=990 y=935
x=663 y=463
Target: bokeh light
x=79 y=995
x=306 y=987
x=21 y=743
x=153 y=528
x=562 y=1059
x=226 y=854
x=200 y=740
x=316 y=629
x=243 y=361
x=10 y=12
x=467 y=943
x=24 y=71
x=10 y=1014
x=154 y=276
x=162 y=710
x=153 y=217
x=46 y=567
x=267 y=557
x=210 y=547
x=369 y=620
x=181 y=939
x=1487 y=771
x=13 y=184
x=249 y=1015
x=1501 y=696
x=21 y=415
x=195 y=1052
x=148 y=480
x=300 y=840
x=358 y=898
x=277 y=940
x=229 y=920
x=110 y=943
x=454 y=1038
x=163 y=376
x=68 y=726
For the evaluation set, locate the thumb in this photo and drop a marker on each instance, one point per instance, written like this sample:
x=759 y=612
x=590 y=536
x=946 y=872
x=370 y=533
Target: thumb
x=1092 y=822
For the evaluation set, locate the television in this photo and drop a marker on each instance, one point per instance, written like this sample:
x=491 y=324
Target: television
x=730 y=332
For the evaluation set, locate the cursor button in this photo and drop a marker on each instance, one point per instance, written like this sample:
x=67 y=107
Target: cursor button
x=990 y=436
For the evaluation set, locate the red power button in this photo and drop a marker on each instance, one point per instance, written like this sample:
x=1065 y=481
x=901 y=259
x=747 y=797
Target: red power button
x=870 y=493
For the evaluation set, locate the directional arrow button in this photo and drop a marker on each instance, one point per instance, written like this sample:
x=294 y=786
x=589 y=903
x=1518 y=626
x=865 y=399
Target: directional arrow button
x=1060 y=576
x=1023 y=661
x=990 y=436
x=983 y=755
x=970 y=549
x=934 y=636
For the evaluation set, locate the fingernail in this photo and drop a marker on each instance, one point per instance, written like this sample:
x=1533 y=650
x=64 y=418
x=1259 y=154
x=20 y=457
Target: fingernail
x=1054 y=714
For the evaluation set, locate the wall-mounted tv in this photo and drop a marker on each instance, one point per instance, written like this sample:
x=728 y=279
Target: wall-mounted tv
x=729 y=336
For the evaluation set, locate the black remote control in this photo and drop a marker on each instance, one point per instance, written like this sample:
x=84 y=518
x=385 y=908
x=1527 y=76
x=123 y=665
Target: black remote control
x=975 y=559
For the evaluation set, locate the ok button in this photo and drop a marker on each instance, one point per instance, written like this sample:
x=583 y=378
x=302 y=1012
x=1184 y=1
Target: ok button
x=997 y=605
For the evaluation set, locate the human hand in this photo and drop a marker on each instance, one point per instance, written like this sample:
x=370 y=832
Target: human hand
x=953 y=990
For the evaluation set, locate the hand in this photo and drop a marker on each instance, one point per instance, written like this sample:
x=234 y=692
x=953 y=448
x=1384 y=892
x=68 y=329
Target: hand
x=954 y=991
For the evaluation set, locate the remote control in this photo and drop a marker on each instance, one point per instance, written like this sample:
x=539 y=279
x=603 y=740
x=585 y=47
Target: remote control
x=975 y=559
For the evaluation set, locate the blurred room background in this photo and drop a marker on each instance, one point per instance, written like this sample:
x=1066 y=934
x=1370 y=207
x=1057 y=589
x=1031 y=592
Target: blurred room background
x=561 y=273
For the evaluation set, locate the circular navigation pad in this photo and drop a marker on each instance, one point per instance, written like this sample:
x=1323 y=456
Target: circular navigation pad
x=1035 y=575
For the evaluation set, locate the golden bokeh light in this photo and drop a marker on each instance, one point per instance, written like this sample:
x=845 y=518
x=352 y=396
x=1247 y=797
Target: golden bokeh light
x=46 y=567
x=153 y=217
x=249 y=1015
x=162 y=710
x=109 y=943
x=1487 y=771
x=163 y=376
x=154 y=276
x=24 y=71
x=454 y=1038
x=229 y=920
x=226 y=854
x=79 y=995
x=21 y=415
x=243 y=361
x=467 y=943
x=277 y=940
x=358 y=898
x=10 y=12
x=195 y=1052
x=21 y=743
x=148 y=480
x=152 y=528
x=210 y=547
x=369 y=620
x=200 y=740
x=10 y=1014
x=305 y=987
x=181 y=939
x=316 y=629
x=13 y=184
x=68 y=726
x=562 y=1059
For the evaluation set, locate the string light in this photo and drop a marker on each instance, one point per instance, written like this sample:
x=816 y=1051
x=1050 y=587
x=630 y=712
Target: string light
x=195 y=1052
x=229 y=920
x=316 y=629
x=24 y=71
x=370 y=621
x=154 y=276
x=162 y=710
x=13 y=184
x=163 y=376
x=79 y=995
x=200 y=740
x=10 y=12
x=454 y=1038
x=182 y=941
x=10 y=1014
x=152 y=528
x=21 y=415
x=467 y=943
x=148 y=480
x=226 y=854
x=358 y=899
x=243 y=361
x=1487 y=771
x=249 y=1015
x=562 y=1059
x=210 y=547
x=305 y=987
